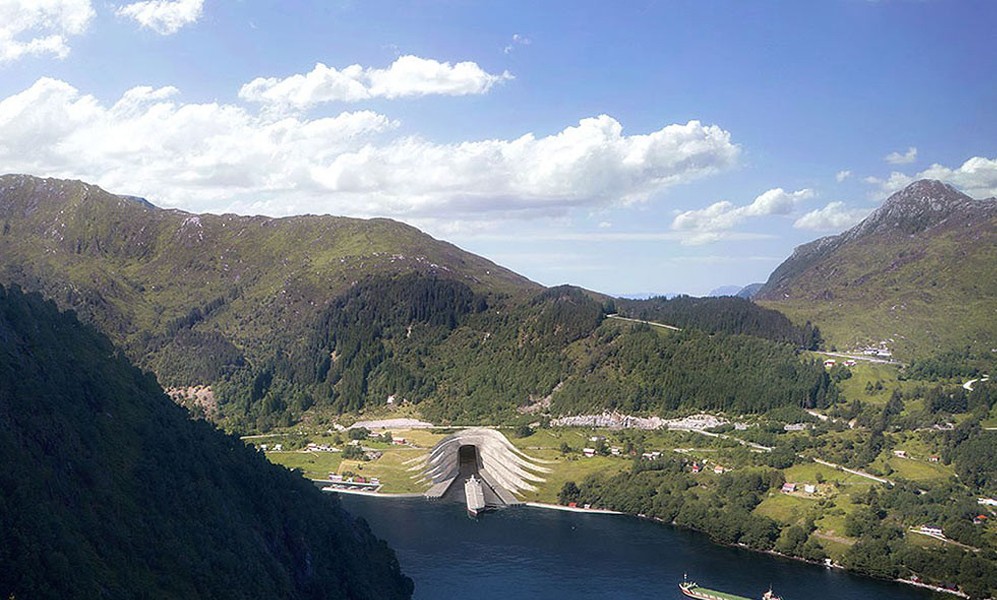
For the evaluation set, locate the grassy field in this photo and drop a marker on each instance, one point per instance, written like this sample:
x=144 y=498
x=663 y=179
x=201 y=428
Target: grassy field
x=313 y=465
x=786 y=508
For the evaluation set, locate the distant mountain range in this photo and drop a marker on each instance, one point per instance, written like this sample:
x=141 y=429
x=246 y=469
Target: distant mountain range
x=747 y=291
x=919 y=273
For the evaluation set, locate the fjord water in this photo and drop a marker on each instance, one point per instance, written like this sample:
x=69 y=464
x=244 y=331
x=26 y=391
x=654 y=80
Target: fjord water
x=527 y=553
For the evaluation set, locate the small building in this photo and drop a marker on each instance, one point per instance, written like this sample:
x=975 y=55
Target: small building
x=850 y=363
x=597 y=438
x=900 y=453
x=616 y=451
x=934 y=458
x=400 y=441
x=986 y=501
x=588 y=452
x=980 y=520
x=719 y=470
x=931 y=530
x=830 y=363
x=278 y=447
x=810 y=488
x=795 y=426
x=696 y=468
x=788 y=488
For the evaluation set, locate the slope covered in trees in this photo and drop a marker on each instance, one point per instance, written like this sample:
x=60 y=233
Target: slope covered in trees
x=286 y=317
x=726 y=314
x=108 y=490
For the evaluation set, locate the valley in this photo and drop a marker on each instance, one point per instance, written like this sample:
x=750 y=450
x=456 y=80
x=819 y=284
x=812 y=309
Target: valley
x=758 y=424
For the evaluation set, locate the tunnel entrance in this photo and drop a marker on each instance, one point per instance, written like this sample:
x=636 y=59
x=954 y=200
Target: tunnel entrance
x=502 y=470
x=469 y=462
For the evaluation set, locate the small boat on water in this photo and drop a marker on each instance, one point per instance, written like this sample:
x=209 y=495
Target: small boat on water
x=694 y=590
x=474 y=493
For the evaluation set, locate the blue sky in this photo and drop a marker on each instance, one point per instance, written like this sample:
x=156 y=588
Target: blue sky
x=627 y=147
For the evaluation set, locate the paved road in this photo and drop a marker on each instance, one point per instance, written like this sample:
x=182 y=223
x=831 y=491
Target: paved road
x=672 y=327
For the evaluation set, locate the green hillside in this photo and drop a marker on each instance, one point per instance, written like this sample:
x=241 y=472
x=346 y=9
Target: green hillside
x=310 y=317
x=919 y=274
x=109 y=490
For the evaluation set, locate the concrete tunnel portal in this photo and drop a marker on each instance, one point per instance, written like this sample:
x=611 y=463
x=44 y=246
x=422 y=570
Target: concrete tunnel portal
x=503 y=470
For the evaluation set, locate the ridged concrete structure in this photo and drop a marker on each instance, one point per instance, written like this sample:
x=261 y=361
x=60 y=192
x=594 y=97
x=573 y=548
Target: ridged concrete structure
x=500 y=464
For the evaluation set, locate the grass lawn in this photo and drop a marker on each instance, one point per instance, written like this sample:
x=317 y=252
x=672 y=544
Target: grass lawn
x=313 y=465
x=785 y=508
x=571 y=468
x=863 y=373
x=807 y=473
x=917 y=470
x=392 y=470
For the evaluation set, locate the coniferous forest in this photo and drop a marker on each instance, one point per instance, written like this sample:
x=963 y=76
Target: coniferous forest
x=109 y=490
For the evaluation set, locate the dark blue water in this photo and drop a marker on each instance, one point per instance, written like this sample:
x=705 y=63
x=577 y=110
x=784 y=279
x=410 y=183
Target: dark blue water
x=525 y=553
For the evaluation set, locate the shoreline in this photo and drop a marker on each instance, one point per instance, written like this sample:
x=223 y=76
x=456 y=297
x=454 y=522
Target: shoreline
x=577 y=509
x=606 y=511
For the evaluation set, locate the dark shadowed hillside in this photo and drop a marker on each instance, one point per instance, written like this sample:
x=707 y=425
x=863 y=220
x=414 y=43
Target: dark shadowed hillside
x=108 y=490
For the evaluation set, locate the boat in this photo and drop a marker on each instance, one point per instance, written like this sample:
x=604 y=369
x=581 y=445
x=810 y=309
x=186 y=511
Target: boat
x=694 y=590
x=475 y=496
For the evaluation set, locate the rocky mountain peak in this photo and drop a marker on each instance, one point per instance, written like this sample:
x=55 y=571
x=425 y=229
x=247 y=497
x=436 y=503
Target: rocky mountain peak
x=919 y=206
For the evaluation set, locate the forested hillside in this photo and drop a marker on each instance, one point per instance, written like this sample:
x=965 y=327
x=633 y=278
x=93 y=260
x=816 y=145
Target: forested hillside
x=109 y=490
x=726 y=314
x=286 y=318
x=194 y=297
x=463 y=357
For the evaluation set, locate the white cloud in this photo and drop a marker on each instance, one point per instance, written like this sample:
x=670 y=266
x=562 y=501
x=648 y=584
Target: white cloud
x=976 y=177
x=165 y=17
x=222 y=157
x=517 y=40
x=407 y=76
x=833 y=217
x=36 y=27
x=842 y=175
x=896 y=158
x=714 y=222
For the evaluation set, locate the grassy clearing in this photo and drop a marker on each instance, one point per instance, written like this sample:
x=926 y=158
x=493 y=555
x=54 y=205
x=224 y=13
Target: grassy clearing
x=571 y=468
x=807 y=473
x=865 y=374
x=917 y=470
x=785 y=508
x=313 y=465
x=392 y=470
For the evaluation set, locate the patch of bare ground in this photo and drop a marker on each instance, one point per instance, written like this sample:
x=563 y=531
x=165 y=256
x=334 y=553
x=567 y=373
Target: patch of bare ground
x=197 y=398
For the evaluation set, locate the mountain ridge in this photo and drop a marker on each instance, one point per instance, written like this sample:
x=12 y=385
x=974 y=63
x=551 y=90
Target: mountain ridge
x=927 y=250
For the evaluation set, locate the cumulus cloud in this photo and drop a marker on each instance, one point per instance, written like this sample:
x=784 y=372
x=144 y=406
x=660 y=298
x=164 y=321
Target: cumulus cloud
x=833 y=217
x=977 y=177
x=714 y=222
x=165 y=17
x=30 y=27
x=150 y=143
x=842 y=175
x=407 y=76
x=896 y=158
